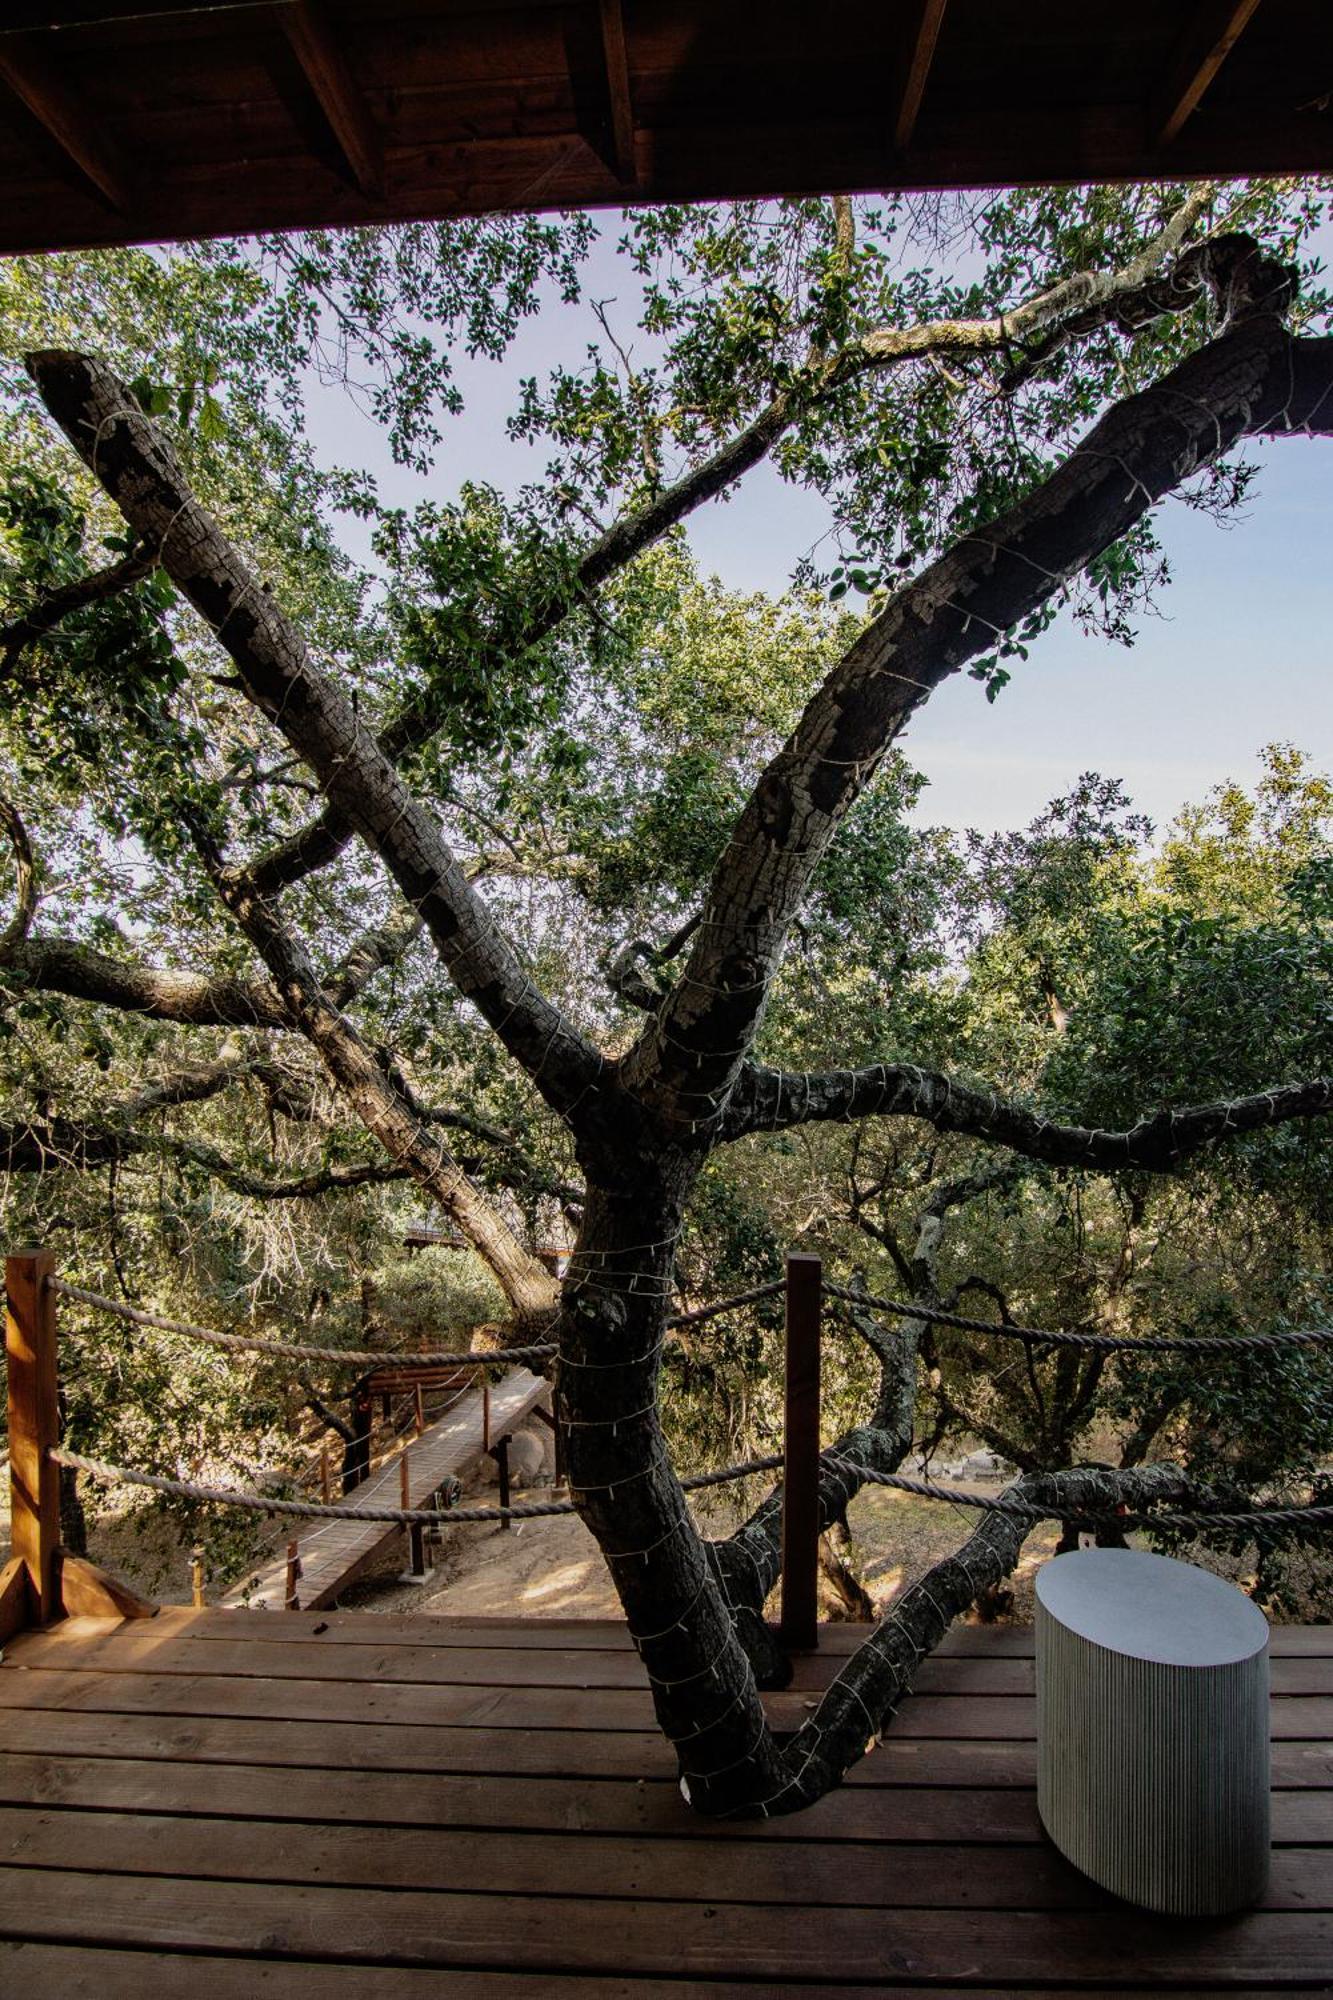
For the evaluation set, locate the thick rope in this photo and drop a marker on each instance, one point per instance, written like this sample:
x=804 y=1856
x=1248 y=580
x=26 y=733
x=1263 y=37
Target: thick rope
x=325 y=1510
x=997 y=1504
x=299 y=1350
x=374 y=1357
x=1098 y=1343
x=532 y=1510
x=701 y=1313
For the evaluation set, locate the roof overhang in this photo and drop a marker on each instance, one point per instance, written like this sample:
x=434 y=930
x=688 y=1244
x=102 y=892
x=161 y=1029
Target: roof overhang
x=147 y=120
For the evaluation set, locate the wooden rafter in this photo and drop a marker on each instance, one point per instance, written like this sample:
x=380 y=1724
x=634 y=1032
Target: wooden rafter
x=327 y=71
x=35 y=79
x=914 y=68
x=23 y=15
x=1215 y=31
x=616 y=57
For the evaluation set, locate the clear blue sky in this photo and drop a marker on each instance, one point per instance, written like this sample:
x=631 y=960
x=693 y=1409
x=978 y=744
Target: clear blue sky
x=1242 y=656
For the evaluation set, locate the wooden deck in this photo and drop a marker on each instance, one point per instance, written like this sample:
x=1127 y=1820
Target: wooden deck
x=223 y=1804
x=334 y=1555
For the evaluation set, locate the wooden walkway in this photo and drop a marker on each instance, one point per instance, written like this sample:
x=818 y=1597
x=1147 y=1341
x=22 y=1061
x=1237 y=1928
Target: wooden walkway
x=227 y=1804
x=334 y=1555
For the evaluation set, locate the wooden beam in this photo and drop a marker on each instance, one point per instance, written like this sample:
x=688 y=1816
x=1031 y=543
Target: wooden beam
x=16 y=1601
x=914 y=68
x=320 y=53
x=89 y=1592
x=1216 y=29
x=21 y=16
x=615 y=54
x=34 y=1423
x=28 y=68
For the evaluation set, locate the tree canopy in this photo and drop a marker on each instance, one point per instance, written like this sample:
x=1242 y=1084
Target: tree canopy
x=527 y=868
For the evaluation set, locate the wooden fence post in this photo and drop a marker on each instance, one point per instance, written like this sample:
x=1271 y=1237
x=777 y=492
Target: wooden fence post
x=34 y=1425
x=416 y=1571
x=500 y=1453
x=485 y=1412
x=799 y=1623
x=291 y=1598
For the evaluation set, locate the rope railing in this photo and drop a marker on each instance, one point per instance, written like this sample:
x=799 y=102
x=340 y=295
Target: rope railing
x=1309 y=1514
x=699 y=1314
x=1033 y=1336
x=267 y=1503
x=1098 y=1343
x=532 y=1510
x=296 y=1350
x=802 y=1464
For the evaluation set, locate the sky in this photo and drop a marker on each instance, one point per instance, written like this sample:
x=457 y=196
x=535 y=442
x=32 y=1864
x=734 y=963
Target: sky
x=1241 y=655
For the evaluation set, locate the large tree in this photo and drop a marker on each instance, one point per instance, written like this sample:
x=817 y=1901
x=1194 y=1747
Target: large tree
x=983 y=461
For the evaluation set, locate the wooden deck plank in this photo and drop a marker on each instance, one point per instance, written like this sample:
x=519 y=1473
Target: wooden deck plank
x=647 y=1808
x=334 y=1554
x=138 y=1644
x=405 y=1746
x=91 y=1973
x=891 y=1811
x=858 y=1875
x=383 y=1814
x=756 y=1941
x=75 y=1972
x=599 y=1710
x=536 y=1633
x=596 y=1710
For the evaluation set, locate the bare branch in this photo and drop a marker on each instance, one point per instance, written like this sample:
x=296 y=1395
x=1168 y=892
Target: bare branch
x=68 y=1145
x=1087 y=300
x=772 y=1100
x=60 y=965
x=140 y=472
x=25 y=870
x=48 y=612
x=1246 y=381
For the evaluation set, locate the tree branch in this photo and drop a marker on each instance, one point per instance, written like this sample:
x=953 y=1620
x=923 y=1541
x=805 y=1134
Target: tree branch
x=56 y=605
x=772 y=1100
x=877 y=1676
x=140 y=472
x=25 y=869
x=1252 y=378
x=55 y=1145
x=1087 y=300
x=60 y=965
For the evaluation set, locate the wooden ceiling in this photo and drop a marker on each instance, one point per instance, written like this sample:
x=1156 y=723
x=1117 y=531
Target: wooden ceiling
x=142 y=120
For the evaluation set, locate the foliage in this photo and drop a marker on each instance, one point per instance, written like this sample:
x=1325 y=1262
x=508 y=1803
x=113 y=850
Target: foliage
x=593 y=750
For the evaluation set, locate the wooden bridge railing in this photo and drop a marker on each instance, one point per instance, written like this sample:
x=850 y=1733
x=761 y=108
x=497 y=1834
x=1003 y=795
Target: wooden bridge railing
x=43 y=1582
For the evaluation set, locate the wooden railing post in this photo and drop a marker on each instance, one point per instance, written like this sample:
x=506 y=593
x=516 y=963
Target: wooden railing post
x=799 y=1626
x=500 y=1453
x=416 y=1571
x=291 y=1597
x=485 y=1412
x=34 y=1425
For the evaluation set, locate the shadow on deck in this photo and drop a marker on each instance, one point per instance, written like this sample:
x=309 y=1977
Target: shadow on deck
x=229 y=1803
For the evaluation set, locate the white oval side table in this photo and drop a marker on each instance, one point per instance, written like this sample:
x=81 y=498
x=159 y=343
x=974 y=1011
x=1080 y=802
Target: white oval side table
x=1152 y=1729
